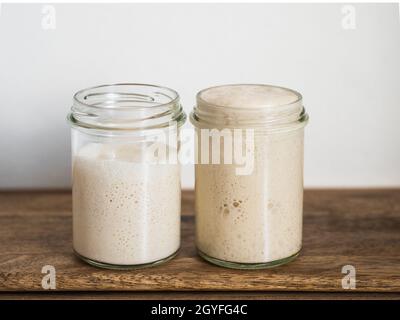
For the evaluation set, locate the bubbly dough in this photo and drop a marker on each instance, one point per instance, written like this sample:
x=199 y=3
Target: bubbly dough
x=125 y=211
x=255 y=218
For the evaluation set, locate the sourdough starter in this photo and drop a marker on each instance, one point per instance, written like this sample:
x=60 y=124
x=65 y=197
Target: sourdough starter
x=125 y=211
x=255 y=218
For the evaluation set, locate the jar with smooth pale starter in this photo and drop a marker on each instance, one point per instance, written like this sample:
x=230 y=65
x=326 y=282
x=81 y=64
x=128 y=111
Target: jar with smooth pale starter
x=249 y=209
x=126 y=178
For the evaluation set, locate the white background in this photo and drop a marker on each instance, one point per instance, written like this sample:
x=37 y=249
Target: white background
x=350 y=79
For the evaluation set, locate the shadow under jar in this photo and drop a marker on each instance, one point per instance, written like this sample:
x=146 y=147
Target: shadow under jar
x=126 y=180
x=249 y=218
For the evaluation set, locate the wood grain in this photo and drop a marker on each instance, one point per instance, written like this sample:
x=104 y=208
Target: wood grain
x=356 y=227
x=198 y=295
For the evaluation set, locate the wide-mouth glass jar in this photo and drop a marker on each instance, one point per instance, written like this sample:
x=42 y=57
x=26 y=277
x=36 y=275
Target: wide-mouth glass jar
x=249 y=209
x=126 y=178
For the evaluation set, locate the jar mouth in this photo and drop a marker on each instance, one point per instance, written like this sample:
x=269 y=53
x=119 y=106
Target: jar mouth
x=263 y=106
x=126 y=106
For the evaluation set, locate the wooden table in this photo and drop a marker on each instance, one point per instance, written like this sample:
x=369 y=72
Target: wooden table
x=341 y=227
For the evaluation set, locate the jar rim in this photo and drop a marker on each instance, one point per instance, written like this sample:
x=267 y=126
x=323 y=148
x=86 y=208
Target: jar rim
x=126 y=106
x=284 y=114
x=126 y=84
x=298 y=95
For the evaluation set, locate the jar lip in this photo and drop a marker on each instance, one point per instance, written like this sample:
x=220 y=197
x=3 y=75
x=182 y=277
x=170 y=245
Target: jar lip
x=298 y=95
x=274 y=109
x=126 y=106
x=78 y=94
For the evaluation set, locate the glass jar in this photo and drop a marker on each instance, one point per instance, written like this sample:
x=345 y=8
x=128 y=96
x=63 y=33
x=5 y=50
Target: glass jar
x=126 y=178
x=249 y=210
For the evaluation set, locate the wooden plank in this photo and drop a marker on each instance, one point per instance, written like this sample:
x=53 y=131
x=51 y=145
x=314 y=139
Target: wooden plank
x=356 y=227
x=198 y=295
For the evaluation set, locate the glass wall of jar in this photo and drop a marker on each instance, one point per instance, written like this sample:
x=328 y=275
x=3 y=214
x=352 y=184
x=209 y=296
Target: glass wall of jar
x=126 y=178
x=249 y=209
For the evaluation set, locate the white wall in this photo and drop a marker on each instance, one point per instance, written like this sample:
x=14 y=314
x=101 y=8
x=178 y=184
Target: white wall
x=350 y=79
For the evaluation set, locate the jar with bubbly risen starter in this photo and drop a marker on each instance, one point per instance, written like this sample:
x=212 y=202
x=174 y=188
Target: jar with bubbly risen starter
x=250 y=220
x=126 y=180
